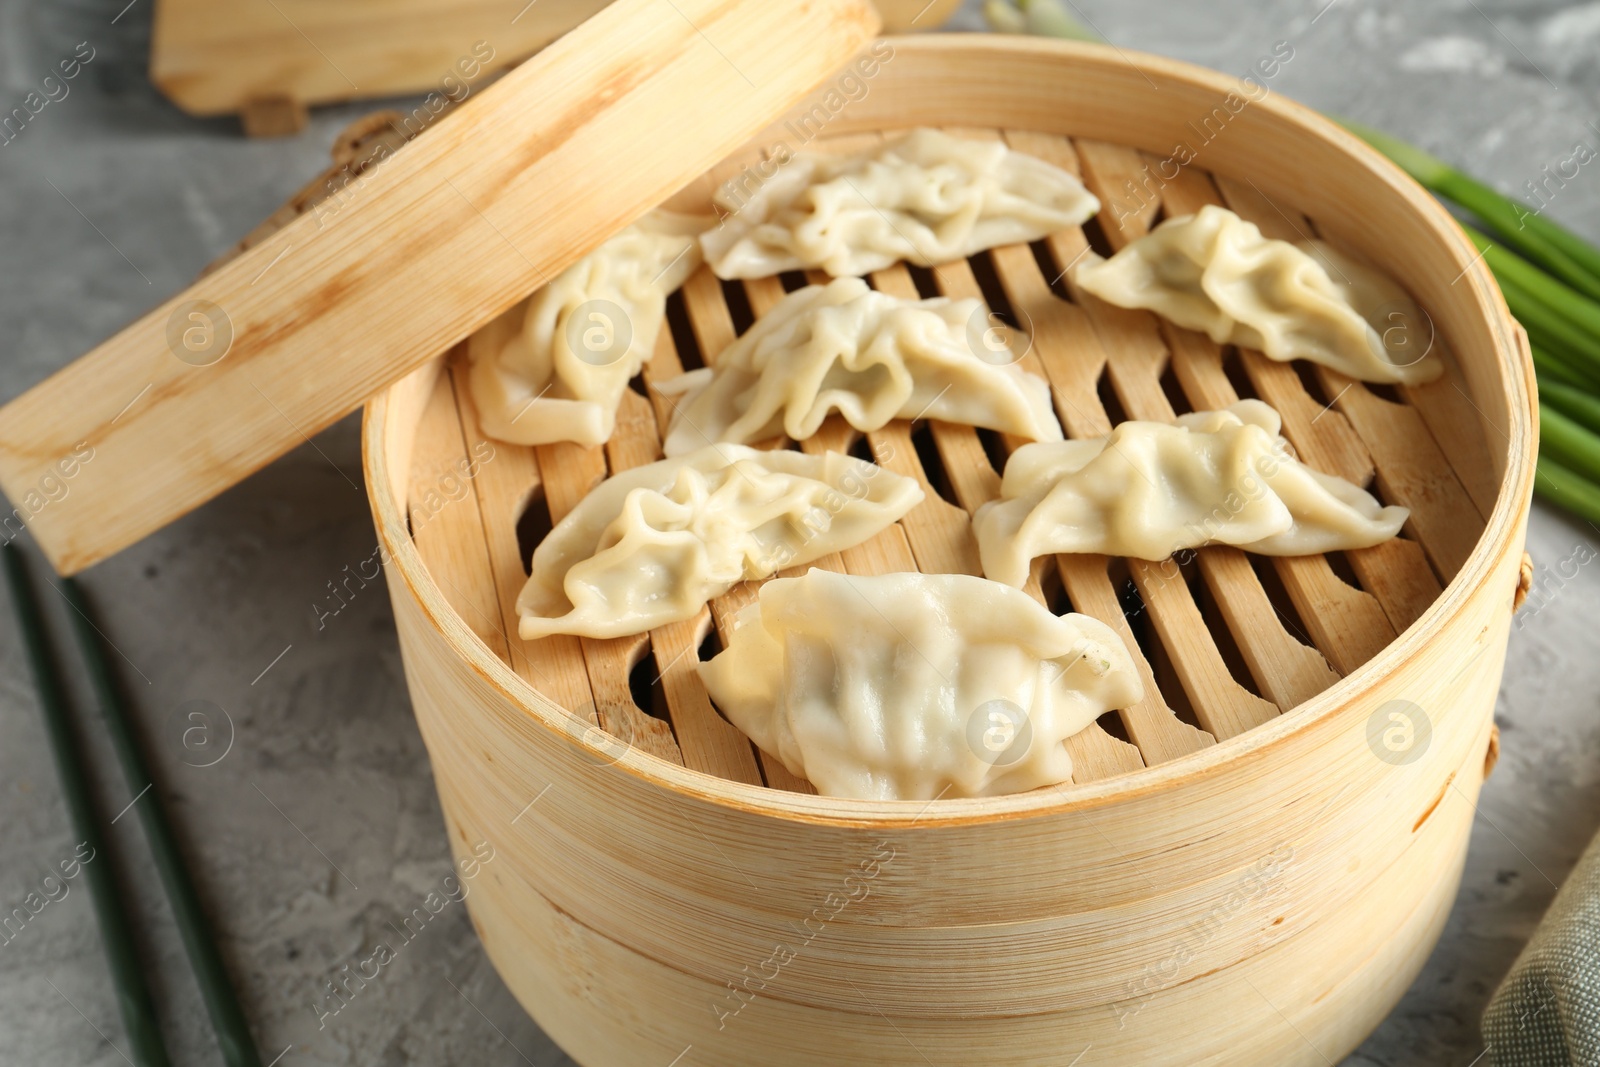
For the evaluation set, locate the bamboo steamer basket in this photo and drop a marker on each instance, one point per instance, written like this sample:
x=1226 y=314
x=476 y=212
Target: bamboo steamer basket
x=1249 y=867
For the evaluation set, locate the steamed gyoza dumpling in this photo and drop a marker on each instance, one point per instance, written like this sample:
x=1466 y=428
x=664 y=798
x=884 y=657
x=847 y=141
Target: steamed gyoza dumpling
x=653 y=544
x=870 y=356
x=916 y=686
x=554 y=367
x=1214 y=272
x=1153 y=488
x=926 y=198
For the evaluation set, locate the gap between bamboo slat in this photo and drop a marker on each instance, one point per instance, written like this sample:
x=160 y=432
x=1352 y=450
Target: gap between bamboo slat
x=1443 y=404
x=602 y=667
x=941 y=533
x=712 y=326
x=939 y=536
x=1348 y=625
x=568 y=471
x=706 y=741
x=1069 y=349
x=1150 y=723
x=505 y=485
x=447 y=529
x=1073 y=349
x=1412 y=468
x=935 y=537
x=1222 y=706
x=946 y=534
x=1396 y=572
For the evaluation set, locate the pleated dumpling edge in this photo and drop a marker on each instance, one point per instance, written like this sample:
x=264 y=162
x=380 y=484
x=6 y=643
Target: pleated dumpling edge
x=554 y=367
x=653 y=544
x=925 y=198
x=871 y=357
x=1216 y=273
x=1150 y=489
x=916 y=686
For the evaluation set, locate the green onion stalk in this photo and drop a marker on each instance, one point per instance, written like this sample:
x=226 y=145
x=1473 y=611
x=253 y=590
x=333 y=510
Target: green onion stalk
x=1566 y=488
x=1550 y=278
x=1574 y=403
x=1562 y=254
x=1042 y=18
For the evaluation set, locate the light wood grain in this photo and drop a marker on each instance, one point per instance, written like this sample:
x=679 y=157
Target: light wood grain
x=1130 y=347
x=212 y=60
x=1187 y=654
x=1460 y=429
x=698 y=736
x=704 y=739
x=446 y=525
x=498 y=197
x=712 y=325
x=1394 y=574
x=1222 y=705
x=1150 y=724
x=507 y=484
x=1412 y=471
x=277 y=115
x=1287 y=671
x=567 y=472
x=636 y=889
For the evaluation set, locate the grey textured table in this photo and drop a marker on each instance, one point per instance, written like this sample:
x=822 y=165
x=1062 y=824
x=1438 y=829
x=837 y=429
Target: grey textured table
x=317 y=826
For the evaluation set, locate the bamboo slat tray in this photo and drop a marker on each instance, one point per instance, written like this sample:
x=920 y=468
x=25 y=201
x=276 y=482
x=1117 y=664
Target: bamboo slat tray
x=1240 y=871
x=1225 y=641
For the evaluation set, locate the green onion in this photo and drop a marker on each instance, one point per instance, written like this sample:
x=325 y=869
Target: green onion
x=1551 y=329
x=1043 y=18
x=1562 y=487
x=1541 y=334
x=1558 y=251
x=1569 y=443
x=1558 y=298
x=1554 y=353
x=1551 y=370
x=1574 y=403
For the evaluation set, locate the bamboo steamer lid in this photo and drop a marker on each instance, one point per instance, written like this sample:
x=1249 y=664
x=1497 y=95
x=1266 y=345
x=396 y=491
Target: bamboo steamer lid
x=499 y=197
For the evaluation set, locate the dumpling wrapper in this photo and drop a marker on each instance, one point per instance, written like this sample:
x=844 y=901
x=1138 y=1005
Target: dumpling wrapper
x=926 y=198
x=1152 y=488
x=1215 y=273
x=653 y=544
x=555 y=366
x=916 y=686
x=870 y=356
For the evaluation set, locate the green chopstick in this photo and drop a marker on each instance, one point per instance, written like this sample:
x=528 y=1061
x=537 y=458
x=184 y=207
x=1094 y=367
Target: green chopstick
x=133 y=997
x=227 y=1017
